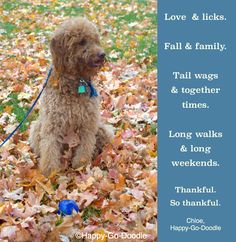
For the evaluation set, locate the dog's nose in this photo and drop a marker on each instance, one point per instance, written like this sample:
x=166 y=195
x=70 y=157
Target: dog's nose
x=101 y=55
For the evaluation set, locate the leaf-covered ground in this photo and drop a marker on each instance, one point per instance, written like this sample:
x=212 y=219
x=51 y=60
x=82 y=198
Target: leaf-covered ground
x=117 y=193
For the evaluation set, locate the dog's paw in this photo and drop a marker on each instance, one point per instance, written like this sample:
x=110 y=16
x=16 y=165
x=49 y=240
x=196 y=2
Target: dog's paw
x=78 y=162
x=47 y=168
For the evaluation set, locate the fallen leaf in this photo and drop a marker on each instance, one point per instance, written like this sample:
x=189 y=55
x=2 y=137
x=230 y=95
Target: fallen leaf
x=71 y=138
x=102 y=237
x=47 y=187
x=121 y=102
x=86 y=198
x=121 y=182
x=14 y=195
x=8 y=232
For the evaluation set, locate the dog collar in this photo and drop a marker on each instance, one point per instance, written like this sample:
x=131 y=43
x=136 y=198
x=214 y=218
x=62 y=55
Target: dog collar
x=84 y=86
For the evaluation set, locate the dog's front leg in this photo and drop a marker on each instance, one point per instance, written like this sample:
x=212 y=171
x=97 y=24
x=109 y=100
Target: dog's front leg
x=50 y=150
x=50 y=155
x=84 y=152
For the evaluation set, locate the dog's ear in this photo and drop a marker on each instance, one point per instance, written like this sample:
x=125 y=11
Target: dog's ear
x=58 y=53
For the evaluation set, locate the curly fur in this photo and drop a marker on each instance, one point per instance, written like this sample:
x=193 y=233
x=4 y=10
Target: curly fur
x=76 y=53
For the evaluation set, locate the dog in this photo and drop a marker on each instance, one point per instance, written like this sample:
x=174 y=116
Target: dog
x=70 y=103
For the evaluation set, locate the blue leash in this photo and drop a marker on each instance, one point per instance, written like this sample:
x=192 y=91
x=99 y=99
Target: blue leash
x=29 y=111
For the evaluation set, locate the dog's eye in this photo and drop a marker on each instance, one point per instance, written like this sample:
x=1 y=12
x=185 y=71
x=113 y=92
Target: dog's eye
x=82 y=42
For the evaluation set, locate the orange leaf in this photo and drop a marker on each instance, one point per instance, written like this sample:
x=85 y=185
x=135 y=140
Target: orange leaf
x=18 y=88
x=124 y=200
x=117 y=141
x=53 y=81
x=125 y=197
x=132 y=100
x=152 y=181
x=8 y=109
x=121 y=182
x=42 y=62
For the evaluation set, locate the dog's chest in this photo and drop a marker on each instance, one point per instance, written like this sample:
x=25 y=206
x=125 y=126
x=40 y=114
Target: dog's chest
x=76 y=110
x=81 y=109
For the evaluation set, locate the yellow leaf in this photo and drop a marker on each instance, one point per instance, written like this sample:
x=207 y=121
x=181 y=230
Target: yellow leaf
x=31 y=38
x=152 y=153
x=2 y=209
x=127 y=54
x=140 y=37
x=101 y=235
x=118 y=44
x=32 y=16
x=132 y=44
x=8 y=109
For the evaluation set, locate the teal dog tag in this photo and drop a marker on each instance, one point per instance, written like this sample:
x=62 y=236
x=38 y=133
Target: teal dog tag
x=81 y=89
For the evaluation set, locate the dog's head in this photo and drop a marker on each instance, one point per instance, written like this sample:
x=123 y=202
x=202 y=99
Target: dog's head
x=76 y=48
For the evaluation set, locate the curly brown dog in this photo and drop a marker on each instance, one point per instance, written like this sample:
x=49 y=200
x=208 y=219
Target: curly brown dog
x=70 y=104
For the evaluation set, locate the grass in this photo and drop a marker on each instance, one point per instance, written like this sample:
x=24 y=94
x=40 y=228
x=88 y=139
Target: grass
x=7 y=29
x=19 y=111
x=89 y=212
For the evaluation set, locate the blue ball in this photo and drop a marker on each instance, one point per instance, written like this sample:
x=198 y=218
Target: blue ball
x=66 y=207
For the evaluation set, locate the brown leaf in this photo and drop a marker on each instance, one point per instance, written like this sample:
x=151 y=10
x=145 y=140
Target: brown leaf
x=105 y=185
x=121 y=102
x=71 y=138
x=47 y=187
x=23 y=236
x=86 y=198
